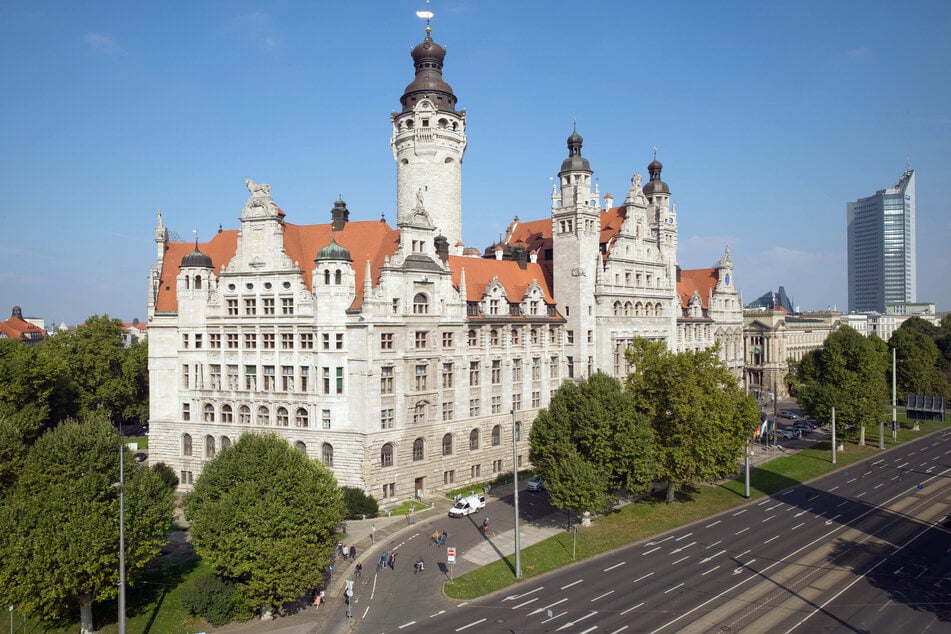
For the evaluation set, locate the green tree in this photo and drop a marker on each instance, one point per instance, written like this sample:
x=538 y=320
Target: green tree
x=358 y=503
x=264 y=515
x=700 y=417
x=590 y=440
x=36 y=390
x=847 y=373
x=59 y=528
x=918 y=362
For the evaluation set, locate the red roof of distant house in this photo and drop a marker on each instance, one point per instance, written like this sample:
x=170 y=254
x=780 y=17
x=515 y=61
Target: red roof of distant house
x=701 y=280
x=18 y=328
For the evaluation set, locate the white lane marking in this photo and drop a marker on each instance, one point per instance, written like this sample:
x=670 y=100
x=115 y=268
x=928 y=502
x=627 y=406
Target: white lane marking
x=633 y=608
x=767 y=519
x=373 y=589
x=459 y=629
x=771 y=539
x=512 y=597
x=842 y=503
x=833 y=488
x=620 y=629
x=601 y=596
x=550 y=605
x=432 y=616
x=682 y=548
x=878 y=461
x=703 y=574
x=576 y=621
x=852 y=480
x=738 y=512
x=684 y=537
x=647 y=552
x=947 y=452
x=813 y=498
x=860 y=494
x=675 y=587
x=674 y=563
x=524 y=603
x=618 y=565
x=803 y=512
x=904 y=464
x=742 y=531
x=923 y=463
x=829 y=521
x=590 y=629
x=556 y=616
x=414 y=623
x=744 y=552
x=713 y=523
x=798 y=525
x=714 y=544
x=642 y=578
x=766 y=501
x=885 y=606
x=659 y=541
x=573 y=583
x=710 y=558
x=775 y=506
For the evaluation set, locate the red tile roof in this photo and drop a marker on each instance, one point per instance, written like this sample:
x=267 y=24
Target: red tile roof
x=16 y=328
x=481 y=271
x=700 y=280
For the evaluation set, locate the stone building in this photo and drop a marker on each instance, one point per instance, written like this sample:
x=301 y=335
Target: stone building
x=399 y=359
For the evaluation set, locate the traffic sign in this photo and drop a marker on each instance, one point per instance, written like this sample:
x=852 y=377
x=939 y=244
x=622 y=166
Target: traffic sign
x=450 y=555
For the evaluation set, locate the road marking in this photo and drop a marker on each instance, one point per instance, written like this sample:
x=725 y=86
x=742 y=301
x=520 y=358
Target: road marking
x=860 y=494
x=904 y=464
x=590 y=629
x=366 y=611
x=647 y=552
x=744 y=552
x=852 y=480
x=512 y=597
x=880 y=484
x=703 y=561
x=766 y=501
x=885 y=606
x=829 y=521
x=576 y=621
x=923 y=463
x=775 y=506
x=684 y=537
x=771 y=539
x=713 y=524
x=620 y=629
x=738 y=512
x=550 y=605
x=459 y=629
x=842 y=503
x=432 y=616
x=682 y=548
x=675 y=587
x=833 y=488
x=573 y=583
x=659 y=542
x=524 y=603
x=798 y=525
x=813 y=498
x=642 y=578
x=803 y=512
x=742 y=531
x=702 y=574
x=629 y=609
x=714 y=544
x=947 y=452
x=601 y=596
x=679 y=560
x=556 y=616
x=414 y=623
x=767 y=519
x=878 y=461
x=614 y=566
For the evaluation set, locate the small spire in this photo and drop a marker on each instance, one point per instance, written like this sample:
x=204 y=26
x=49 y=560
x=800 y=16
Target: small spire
x=426 y=15
x=195 y=232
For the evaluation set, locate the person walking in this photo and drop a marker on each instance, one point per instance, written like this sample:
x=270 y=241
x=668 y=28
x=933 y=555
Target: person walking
x=359 y=569
x=393 y=560
x=443 y=537
x=318 y=598
x=418 y=566
x=353 y=552
x=485 y=526
x=436 y=537
x=383 y=558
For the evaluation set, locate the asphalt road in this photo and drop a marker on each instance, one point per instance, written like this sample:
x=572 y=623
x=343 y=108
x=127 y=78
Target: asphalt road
x=858 y=550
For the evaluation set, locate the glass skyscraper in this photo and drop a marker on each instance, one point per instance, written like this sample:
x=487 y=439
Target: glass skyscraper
x=881 y=232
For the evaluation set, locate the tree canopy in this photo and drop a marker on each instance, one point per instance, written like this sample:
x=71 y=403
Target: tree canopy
x=847 y=373
x=264 y=515
x=590 y=440
x=59 y=527
x=700 y=417
x=918 y=362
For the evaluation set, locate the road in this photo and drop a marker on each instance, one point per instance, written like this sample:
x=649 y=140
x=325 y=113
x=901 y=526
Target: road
x=858 y=550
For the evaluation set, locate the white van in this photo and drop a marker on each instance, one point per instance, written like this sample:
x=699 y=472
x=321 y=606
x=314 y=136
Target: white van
x=467 y=506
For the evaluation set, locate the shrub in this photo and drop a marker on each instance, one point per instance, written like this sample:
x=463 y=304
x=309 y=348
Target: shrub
x=166 y=474
x=217 y=600
x=359 y=503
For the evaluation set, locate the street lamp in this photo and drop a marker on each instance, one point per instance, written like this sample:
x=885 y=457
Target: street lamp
x=518 y=554
x=121 y=485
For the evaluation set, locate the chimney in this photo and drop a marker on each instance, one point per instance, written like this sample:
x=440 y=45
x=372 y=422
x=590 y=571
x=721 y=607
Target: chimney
x=519 y=255
x=442 y=248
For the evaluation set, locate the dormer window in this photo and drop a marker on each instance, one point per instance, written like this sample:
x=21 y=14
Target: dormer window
x=420 y=304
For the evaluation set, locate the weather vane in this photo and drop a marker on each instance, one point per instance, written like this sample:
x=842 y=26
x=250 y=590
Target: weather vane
x=426 y=15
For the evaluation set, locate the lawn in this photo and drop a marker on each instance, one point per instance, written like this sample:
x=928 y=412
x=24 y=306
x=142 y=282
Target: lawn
x=640 y=520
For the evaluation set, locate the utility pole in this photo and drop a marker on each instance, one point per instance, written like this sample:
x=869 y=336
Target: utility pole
x=122 y=537
x=894 y=409
x=518 y=553
x=833 y=435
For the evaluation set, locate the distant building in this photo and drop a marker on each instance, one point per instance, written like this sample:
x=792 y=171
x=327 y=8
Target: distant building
x=18 y=328
x=881 y=247
x=133 y=331
x=772 y=300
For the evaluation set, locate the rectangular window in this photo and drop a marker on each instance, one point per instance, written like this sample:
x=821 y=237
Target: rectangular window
x=386 y=419
x=269 y=380
x=493 y=307
x=386 y=341
x=553 y=368
x=250 y=307
x=339 y=341
x=232 y=377
x=552 y=336
x=185 y=375
x=250 y=341
x=448 y=477
x=496 y=466
x=214 y=340
x=421 y=339
x=215 y=370
x=497 y=404
x=517 y=401
x=339 y=380
x=287 y=305
x=475 y=471
x=326 y=379
x=325 y=340
x=421 y=377
x=534 y=335
x=447 y=340
x=447 y=375
x=198 y=340
x=232 y=306
x=287 y=378
x=232 y=338
x=268 y=305
x=536 y=369
x=307 y=341
x=396 y=305
x=447 y=411
x=287 y=341
x=516 y=370
x=473 y=407
x=250 y=377
x=570 y=334
x=497 y=372
x=185 y=341
x=536 y=399
x=571 y=367
x=304 y=376
x=325 y=418
x=268 y=341
x=493 y=337
x=473 y=373
x=186 y=412
x=590 y=336
x=386 y=379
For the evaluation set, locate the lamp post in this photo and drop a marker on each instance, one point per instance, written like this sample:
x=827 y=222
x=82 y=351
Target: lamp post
x=121 y=485
x=518 y=554
x=894 y=410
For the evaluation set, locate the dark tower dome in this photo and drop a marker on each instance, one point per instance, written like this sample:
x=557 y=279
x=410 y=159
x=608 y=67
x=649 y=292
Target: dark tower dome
x=197 y=260
x=339 y=215
x=428 y=58
x=333 y=251
x=575 y=162
x=655 y=185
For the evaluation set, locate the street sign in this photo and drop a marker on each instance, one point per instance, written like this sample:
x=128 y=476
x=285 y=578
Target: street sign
x=450 y=555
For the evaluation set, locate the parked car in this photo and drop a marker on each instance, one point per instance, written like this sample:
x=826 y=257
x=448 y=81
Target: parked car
x=536 y=484
x=140 y=456
x=812 y=422
x=803 y=426
x=467 y=505
x=787 y=433
x=788 y=413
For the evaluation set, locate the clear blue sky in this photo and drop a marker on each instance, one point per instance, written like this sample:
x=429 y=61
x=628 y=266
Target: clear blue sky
x=768 y=117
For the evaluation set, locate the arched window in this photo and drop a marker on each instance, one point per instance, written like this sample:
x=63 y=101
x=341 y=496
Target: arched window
x=420 y=304
x=208 y=413
x=327 y=454
x=496 y=435
x=418 y=450
x=447 y=445
x=493 y=337
x=638 y=309
x=301 y=418
x=281 y=417
x=225 y=442
x=227 y=414
x=244 y=415
x=338 y=277
x=209 y=446
x=419 y=413
x=628 y=309
x=473 y=439
x=386 y=455
x=473 y=337
x=659 y=309
x=264 y=416
x=198 y=282
x=327 y=277
x=617 y=309
x=300 y=446
x=186 y=444
x=515 y=336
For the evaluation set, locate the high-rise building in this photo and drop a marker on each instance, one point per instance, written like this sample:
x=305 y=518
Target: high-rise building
x=881 y=230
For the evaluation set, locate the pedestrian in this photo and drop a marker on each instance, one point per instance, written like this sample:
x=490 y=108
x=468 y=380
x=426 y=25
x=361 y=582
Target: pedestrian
x=340 y=549
x=353 y=552
x=359 y=568
x=436 y=537
x=443 y=537
x=318 y=598
x=485 y=526
x=383 y=561
x=393 y=560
